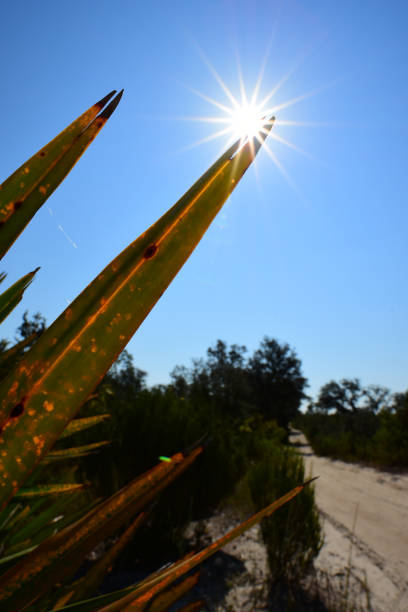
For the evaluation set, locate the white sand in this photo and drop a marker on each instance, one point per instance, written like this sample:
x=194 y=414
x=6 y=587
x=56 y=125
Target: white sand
x=369 y=508
x=247 y=589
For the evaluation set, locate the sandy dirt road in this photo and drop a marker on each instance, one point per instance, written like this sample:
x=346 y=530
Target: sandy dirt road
x=365 y=515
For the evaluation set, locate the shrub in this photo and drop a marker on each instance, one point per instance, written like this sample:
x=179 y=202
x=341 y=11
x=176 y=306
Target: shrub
x=293 y=535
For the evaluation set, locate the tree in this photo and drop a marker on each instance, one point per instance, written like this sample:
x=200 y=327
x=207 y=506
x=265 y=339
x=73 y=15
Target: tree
x=28 y=327
x=399 y=408
x=222 y=379
x=277 y=382
x=126 y=376
x=341 y=397
x=180 y=380
x=376 y=398
x=349 y=397
x=228 y=379
x=26 y=334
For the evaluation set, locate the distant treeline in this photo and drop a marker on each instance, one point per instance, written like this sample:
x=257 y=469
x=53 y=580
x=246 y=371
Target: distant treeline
x=347 y=421
x=356 y=423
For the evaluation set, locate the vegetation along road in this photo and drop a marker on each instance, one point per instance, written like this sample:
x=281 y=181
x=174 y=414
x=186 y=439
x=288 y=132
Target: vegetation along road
x=365 y=515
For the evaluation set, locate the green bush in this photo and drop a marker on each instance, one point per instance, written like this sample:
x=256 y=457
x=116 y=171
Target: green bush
x=390 y=443
x=379 y=439
x=293 y=535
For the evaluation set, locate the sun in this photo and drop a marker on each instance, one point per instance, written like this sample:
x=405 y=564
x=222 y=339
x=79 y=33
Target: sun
x=247 y=121
x=249 y=117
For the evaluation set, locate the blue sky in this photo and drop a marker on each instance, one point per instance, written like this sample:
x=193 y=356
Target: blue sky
x=318 y=261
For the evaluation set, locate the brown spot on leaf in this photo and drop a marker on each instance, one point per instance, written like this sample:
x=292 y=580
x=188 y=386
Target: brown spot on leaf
x=150 y=251
x=17 y=410
x=18 y=204
x=42 y=153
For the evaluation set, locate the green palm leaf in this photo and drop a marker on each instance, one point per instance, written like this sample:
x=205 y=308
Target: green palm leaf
x=14 y=294
x=22 y=194
x=74 y=452
x=83 y=423
x=48 y=489
x=68 y=361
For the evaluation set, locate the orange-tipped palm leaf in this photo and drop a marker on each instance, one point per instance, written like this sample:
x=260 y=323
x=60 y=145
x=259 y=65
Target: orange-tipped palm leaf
x=60 y=556
x=158 y=599
x=88 y=584
x=180 y=568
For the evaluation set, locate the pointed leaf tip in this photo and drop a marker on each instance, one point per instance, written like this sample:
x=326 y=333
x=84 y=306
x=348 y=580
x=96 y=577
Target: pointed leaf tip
x=263 y=134
x=203 y=442
x=101 y=103
x=267 y=126
x=307 y=482
x=107 y=112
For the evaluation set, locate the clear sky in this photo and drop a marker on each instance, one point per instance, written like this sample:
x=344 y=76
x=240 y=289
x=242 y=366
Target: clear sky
x=316 y=258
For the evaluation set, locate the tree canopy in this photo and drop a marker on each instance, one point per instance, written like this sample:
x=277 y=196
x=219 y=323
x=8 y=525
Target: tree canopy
x=349 y=396
x=270 y=382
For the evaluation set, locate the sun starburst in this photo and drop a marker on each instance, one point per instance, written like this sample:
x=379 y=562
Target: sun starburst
x=248 y=117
